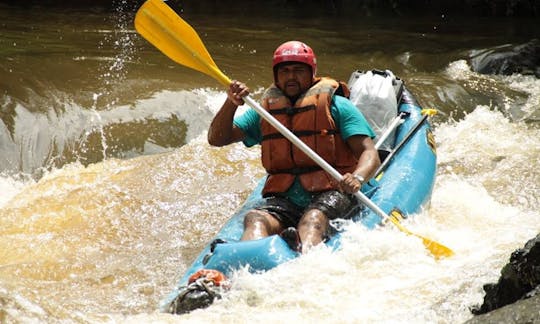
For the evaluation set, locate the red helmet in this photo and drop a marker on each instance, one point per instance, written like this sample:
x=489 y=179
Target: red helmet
x=295 y=51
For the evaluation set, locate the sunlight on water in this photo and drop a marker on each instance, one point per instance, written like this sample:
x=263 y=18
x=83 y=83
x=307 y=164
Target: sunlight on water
x=531 y=86
x=164 y=121
x=9 y=187
x=522 y=105
x=102 y=228
x=489 y=150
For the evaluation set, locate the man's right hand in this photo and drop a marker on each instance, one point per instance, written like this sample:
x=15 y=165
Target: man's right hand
x=222 y=130
x=237 y=90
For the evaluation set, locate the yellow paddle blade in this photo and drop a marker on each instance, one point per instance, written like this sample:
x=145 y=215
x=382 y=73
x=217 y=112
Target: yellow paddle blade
x=438 y=250
x=429 y=111
x=164 y=29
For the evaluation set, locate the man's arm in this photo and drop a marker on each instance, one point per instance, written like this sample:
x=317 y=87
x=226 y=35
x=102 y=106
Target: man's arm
x=357 y=132
x=368 y=162
x=222 y=131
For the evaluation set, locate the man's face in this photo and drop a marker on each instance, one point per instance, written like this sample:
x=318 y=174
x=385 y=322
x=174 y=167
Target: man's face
x=294 y=78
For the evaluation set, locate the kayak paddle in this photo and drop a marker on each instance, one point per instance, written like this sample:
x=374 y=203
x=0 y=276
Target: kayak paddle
x=426 y=113
x=169 y=33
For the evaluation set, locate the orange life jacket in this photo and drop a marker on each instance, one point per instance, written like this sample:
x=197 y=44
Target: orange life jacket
x=309 y=119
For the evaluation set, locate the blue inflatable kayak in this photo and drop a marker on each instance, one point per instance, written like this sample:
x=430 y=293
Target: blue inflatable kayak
x=401 y=187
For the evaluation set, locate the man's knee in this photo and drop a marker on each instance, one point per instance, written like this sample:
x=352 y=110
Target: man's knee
x=258 y=224
x=256 y=217
x=315 y=219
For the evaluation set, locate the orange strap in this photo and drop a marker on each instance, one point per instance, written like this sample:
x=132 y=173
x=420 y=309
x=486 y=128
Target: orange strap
x=213 y=275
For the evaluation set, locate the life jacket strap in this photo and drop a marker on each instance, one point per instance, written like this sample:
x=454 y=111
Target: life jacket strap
x=292 y=110
x=301 y=134
x=298 y=171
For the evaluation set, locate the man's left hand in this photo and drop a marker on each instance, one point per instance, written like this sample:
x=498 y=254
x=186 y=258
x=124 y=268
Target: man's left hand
x=350 y=184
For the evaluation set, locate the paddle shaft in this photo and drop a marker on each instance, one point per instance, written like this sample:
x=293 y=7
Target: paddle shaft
x=310 y=153
x=395 y=123
x=396 y=149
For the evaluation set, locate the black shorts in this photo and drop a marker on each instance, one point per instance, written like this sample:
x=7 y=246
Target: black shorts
x=333 y=204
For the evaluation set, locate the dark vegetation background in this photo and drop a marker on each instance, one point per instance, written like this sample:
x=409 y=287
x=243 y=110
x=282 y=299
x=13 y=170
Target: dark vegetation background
x=480 y=8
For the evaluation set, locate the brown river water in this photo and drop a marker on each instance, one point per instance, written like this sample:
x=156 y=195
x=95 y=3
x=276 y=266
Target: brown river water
x=108 y=189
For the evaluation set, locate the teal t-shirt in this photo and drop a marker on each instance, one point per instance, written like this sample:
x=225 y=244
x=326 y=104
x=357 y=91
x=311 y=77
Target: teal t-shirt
x=349 y=121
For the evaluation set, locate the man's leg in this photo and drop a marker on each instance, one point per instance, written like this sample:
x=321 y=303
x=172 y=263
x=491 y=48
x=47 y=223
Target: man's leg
x=272 y=217
x=314 y=224
x=259 y=224
x=312 y=228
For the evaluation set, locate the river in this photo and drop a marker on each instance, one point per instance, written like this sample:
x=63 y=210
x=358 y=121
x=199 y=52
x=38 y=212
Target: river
x=108 y=189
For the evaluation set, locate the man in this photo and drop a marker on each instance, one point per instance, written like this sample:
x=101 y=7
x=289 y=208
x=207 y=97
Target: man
x=300 y=197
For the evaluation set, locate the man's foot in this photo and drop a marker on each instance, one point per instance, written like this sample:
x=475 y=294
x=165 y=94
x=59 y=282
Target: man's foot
x=290 y=236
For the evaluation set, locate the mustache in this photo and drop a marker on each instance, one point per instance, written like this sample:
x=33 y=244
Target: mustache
x=292 y=82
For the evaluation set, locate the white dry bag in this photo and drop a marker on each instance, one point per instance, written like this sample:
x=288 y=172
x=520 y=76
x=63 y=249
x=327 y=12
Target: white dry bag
x=374 y=93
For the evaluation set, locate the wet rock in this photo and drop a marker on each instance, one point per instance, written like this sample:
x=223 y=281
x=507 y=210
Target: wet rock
x=508 y=59
x=523 y=311
x=518 y=287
